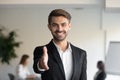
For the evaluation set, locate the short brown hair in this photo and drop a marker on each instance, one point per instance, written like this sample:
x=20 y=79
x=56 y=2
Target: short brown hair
x=59 y=12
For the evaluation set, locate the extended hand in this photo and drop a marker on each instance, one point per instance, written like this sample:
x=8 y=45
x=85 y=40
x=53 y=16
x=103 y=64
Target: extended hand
x=44 y=60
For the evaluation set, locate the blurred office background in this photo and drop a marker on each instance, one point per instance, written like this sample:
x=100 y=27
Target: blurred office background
x=95 y=23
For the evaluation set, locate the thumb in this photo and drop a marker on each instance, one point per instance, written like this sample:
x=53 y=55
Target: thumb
x=45 y=51
x=45 y=58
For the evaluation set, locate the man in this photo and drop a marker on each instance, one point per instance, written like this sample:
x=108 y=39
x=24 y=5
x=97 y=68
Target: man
x=100 y=74
x=59 y=59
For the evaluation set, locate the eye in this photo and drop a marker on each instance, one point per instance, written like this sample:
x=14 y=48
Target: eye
x=64 y=24
x=54 y=25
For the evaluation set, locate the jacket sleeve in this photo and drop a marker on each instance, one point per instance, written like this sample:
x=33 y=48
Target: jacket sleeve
x=84 y=67
x=36 y=57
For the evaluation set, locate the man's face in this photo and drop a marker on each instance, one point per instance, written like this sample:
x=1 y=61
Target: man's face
x=59 y=27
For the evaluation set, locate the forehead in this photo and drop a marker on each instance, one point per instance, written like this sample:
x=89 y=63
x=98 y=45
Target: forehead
x=59 y=19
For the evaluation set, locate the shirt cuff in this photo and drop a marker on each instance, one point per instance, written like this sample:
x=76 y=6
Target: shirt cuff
x=40 y=68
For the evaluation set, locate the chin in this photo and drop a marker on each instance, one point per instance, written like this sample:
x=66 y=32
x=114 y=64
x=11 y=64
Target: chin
x=59 y=39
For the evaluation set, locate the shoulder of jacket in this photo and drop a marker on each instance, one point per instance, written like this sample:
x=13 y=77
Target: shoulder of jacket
x=77 y=48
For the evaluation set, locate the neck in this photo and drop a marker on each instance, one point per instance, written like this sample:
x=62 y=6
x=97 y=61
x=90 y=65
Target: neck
x=62 y=44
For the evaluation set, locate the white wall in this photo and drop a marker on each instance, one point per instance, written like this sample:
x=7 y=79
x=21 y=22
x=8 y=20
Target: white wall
x=31 y=25
x=111 y=23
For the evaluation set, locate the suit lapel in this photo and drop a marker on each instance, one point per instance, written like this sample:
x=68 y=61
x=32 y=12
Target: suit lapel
x=56 y=56
x=74 y=62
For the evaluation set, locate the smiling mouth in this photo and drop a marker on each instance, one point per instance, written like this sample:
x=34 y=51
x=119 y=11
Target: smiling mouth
x=59 y=33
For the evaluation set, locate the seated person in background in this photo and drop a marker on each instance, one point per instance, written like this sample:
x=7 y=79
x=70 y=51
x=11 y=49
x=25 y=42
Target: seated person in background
x=100 y=74
x=22 y=72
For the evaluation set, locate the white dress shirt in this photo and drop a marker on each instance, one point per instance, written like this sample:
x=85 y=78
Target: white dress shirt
x=67 y=60
x=21 y=72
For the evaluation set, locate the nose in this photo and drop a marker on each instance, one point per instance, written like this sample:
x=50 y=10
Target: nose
x=60 y=28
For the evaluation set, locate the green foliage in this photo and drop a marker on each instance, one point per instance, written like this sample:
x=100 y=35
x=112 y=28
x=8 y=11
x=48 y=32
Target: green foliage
x=7 y=46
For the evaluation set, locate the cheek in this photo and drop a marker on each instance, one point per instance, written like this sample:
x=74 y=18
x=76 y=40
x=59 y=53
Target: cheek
x=51 y=29
x=67 y=29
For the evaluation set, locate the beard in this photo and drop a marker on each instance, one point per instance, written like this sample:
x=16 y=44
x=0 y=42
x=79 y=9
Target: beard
x=59 y=37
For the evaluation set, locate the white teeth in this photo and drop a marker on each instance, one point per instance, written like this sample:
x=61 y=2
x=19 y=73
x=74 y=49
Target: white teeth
x=59 y=33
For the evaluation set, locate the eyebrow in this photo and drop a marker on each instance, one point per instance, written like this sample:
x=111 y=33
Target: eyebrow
x=60 y=23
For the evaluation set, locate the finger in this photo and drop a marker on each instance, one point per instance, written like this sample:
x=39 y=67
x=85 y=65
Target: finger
x=44 y=65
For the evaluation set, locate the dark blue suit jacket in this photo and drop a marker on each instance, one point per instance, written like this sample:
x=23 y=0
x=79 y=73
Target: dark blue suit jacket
x=56 y=70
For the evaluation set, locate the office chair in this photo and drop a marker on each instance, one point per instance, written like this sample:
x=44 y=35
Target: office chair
x=11 y=76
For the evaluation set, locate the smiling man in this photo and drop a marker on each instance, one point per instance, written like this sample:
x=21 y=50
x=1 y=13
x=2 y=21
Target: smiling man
x=59 y=59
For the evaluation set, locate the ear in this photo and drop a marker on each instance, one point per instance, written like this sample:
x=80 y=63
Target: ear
x=49 y=27
x=70 y=26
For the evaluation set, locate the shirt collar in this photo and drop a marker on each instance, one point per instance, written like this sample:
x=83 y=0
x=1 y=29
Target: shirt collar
x=59 y=49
